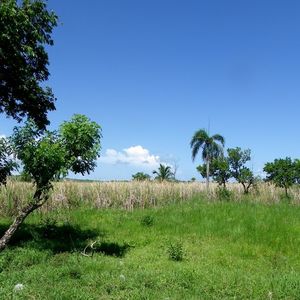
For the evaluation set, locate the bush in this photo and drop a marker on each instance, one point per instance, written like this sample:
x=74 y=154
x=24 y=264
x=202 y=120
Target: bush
x=224 y=194
x=147 y=220
x=175 y=251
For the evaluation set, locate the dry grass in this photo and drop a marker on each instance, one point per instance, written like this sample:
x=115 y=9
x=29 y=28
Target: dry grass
x=130 y=195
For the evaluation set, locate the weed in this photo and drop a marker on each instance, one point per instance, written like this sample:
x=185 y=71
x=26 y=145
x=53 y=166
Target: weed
x=175 y=251
x=147 y=220
x=224 y=194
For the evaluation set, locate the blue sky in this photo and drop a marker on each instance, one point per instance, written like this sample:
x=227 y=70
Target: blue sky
x=153 y=72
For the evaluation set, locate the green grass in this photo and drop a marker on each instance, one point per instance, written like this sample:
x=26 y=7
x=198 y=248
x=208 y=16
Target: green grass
x=229 y=251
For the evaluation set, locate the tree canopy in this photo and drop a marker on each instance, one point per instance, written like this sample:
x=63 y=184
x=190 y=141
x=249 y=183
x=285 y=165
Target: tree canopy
x=163 y=173
x=26 y=28
x=47 y=155
x=283 y=172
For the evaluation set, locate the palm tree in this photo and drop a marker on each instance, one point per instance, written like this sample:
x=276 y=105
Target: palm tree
x=163 y=173
x=212 y=147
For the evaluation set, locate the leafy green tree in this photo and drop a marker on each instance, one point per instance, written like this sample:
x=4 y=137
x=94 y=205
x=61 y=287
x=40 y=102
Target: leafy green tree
x=282 y=172
x=7 y=162
x=47 y=155
x=212 y=147
x=219 y=170
x=237 y=159
x=26 y=28
x=163 y=173
x=297 y=170
x=140 y=176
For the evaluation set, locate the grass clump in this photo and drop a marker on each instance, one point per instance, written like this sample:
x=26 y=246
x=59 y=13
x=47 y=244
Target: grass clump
x=175 y=251
x=147 y=220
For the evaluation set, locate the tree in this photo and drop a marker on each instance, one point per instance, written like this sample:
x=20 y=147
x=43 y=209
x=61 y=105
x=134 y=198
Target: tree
x=163 y=173
x=297 y=170
x=237 y=159
x=7 y=163
x=140 y=176
x=212 y=147
x=47 y=155
x=219 y=170
x=26 y=28
x=282 y=172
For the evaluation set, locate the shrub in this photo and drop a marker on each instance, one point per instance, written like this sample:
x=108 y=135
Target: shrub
x=175 y=251
x=147 y=220
x=223 y=194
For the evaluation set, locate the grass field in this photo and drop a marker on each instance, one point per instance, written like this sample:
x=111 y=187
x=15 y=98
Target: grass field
x=196 y=249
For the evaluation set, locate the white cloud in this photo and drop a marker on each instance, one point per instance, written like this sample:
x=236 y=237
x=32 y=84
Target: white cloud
x=135 y=155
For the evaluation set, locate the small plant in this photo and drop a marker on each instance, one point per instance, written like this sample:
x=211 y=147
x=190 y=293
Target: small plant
x=147 y=220
x=175 y=251
x=224 y=194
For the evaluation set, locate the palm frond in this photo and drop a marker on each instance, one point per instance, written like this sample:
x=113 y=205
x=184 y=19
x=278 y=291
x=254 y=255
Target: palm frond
x=219 y=138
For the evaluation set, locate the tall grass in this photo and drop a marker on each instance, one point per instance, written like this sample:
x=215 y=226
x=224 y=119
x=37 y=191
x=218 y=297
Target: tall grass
x=131 y=195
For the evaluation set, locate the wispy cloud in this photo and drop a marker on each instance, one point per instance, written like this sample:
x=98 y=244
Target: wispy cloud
x=134 y=155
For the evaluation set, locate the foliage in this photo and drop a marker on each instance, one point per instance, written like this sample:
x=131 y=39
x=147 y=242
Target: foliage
x=175 y=251
x=232 y=250
x=147 y=220
x=219 y=170
x=80 y=138
x=7 y=162
x=297 y=170
x=163 y=173
x=140 y=176
x=283 y=172
x=25 y=177
x=224 y=194
x=42 y=155
x=46 y=155
x=26 y=28
x=212 y=147
x=237 y=158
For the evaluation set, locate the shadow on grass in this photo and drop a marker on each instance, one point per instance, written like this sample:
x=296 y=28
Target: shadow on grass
x=62 y=238
x=112 y=249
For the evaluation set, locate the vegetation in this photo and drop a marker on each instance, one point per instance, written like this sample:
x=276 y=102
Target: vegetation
x=26 y=28
x=163 y=173
x=140 y=176
x=219 y=170
x=233 y=166
x=7 y=163
x=134 y=195
x=283 y=172
x=230 y=250
x=151 y=239
x=212 y=147
x=237 y=159
x=45 y=156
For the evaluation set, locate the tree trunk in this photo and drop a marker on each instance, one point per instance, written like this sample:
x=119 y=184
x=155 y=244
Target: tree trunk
x=286 y=192
x=39 y=199
x=207 y=174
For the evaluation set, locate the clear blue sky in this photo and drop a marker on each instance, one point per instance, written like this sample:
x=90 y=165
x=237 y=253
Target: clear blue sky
x=153 y=72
